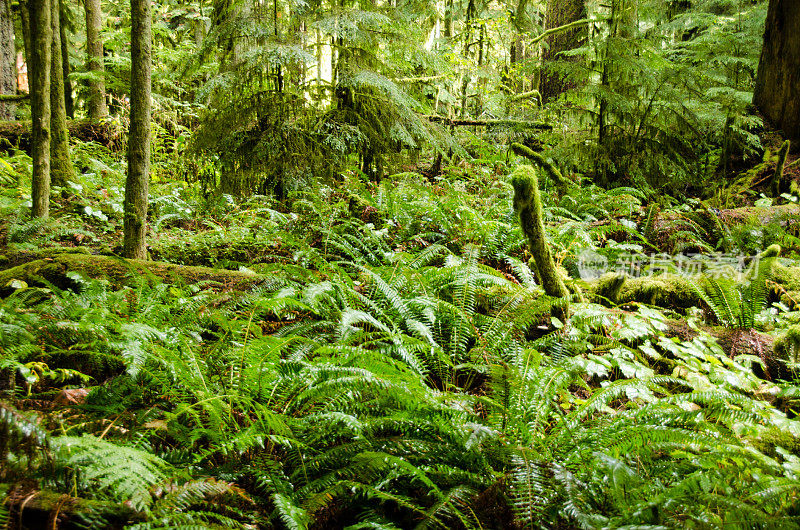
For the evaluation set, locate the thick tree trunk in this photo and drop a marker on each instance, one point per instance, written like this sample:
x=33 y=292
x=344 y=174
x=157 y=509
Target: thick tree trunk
x=25 y=24
x=560 y=13
x=60 y=161
x=8 y=60
x=39 y=79
x=69 y=104
x=94 y=60
x=138 y=180
x=778 y=79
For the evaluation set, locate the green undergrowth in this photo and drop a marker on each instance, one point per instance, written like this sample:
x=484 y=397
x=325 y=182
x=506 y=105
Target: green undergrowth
x=395 y=365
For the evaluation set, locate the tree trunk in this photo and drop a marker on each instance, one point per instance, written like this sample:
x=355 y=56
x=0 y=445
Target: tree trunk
x=25 y=23
x=778 y=79
x=560 y=13
x=60 y=161
x=138 y=180
x=94 y=60
x=69 y=104
x=8 y=60
x=39 y=79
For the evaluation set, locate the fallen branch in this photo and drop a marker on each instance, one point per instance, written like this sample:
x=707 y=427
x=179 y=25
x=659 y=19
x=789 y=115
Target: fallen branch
x=524 y=95
x=13 y=97
x=562 y=183
x=562 y=29
x=491 y=123
x=106 y=133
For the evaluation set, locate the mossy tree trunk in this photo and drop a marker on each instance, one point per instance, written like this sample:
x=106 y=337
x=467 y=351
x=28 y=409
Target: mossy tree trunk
x=69 y=104
x=560 y=13
x=39 y=79
x=60 y=161
x=8 y=60
x=778 y=78
x=94 y=60
x=138 y=179
x=528 y=205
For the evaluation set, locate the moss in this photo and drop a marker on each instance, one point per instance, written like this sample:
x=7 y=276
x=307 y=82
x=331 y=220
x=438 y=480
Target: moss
x=787 y=346
x=665 y=290
x=772 y=438
x=528 y=206
x=772 y=251
x=608 y=287
x=786 y=277
x=119 y=271
x=562 y=184
x=777 y=177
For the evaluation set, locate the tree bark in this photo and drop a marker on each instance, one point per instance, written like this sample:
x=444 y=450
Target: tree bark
x=61 y=169
x=560 y=13
x=8 y=60
x=25 y=24
x=94 y=60
x=138 y=180
x=778 y=78
x=39 y=79
x=69 y=104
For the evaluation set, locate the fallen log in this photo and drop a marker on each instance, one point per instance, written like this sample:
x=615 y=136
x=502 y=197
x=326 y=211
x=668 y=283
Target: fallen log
x=523 y=124
x=107 y=133
x=47 y=509
x=119 y=271
x=678 y=231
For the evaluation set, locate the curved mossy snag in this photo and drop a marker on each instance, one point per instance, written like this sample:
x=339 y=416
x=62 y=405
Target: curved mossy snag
x=528 y=206
x=562 y=184
x=777 y=177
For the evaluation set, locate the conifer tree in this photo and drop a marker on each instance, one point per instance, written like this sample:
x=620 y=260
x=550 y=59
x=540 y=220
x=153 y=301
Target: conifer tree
x=560 y=13
x=94 y=60
x=61 y=169
x=778 y=79
x=39 y=76
x=137 y=182
x=8 y=57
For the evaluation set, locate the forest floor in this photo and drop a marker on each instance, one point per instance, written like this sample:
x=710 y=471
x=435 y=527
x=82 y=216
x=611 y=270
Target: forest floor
x=390 y=340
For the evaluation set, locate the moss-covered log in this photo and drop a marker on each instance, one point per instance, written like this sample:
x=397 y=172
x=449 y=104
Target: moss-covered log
x=120 y=271
x=528 y=206
x=47 y=509
x=18 y=133
x=787 y=347
x=664 y=290
x=520 y=124
x=668 y=231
